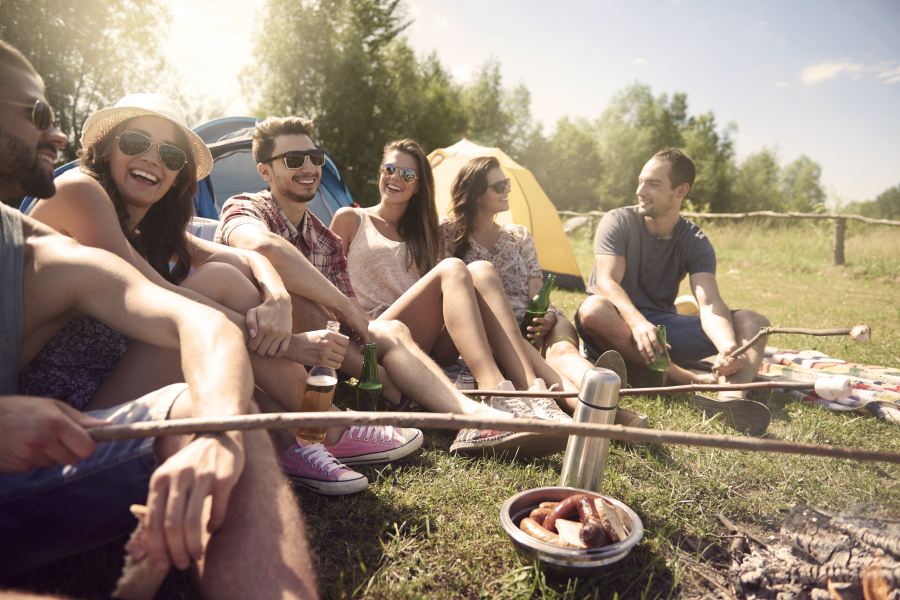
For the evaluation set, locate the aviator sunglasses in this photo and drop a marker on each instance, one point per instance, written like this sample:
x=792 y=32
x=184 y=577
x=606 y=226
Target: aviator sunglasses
x=132 y=143
x=501 y=185
x=294 y=159
x=407 y=175
x=41 y=114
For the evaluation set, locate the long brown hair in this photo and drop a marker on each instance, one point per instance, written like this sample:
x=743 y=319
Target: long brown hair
x=468 y=186
x=160 y=234
x=419 y=224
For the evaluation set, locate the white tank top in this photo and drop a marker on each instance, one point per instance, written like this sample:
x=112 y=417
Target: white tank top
x=377 y=268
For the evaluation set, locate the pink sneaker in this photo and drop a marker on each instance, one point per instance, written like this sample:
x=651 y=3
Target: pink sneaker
x=375 y=444
x=313 y=467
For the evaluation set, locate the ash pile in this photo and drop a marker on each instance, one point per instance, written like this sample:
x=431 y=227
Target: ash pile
x=820 y=556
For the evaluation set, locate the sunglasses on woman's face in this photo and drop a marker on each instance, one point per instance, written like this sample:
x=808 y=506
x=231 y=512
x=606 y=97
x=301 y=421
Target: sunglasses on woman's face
x=294 y=159
x=132 y=143
x=500 y=186
x=41 y=114
x=407 y=175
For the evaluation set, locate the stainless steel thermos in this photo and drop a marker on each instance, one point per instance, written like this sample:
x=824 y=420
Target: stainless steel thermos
x=586 y=456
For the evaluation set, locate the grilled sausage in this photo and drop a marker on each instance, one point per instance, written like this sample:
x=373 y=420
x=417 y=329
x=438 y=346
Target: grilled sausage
x=531 y=527
x=592 y=533
x=539 y=514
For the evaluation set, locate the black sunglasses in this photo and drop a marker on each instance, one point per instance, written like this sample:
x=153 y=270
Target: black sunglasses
x=501 y=185
x=407 y=175
x=41 y=114
x=294 y=159
x=132 y=143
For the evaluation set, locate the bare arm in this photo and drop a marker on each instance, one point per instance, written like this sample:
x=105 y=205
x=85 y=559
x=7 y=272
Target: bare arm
x=716 y=321
x=299 y=275
x=610 y=271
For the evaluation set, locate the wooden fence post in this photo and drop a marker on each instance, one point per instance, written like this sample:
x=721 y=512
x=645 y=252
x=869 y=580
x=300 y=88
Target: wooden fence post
x=837 y=251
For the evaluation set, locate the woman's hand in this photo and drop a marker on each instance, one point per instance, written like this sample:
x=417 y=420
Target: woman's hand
x=537 y=334
x=269 y=326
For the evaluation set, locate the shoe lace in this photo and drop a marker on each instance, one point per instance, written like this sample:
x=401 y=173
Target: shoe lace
x=549 y=405
x=375 y=431
x=513 y=405
x=319 y=457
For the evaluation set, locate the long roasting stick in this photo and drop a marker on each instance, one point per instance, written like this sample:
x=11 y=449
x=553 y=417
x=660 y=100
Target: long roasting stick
x=675 y=389
x=106 y=433
x=860 y=333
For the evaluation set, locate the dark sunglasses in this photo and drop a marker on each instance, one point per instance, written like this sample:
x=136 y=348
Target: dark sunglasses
x=407 y=175
x=132 y=143
x=500 y=186
x=41 y=114
x=294 y=159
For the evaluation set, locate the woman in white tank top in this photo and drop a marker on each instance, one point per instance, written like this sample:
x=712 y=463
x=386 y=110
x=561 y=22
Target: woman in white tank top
x=449 y=307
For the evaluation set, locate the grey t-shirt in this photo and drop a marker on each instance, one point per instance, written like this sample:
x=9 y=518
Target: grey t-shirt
x=654 y=267
x=12 y=315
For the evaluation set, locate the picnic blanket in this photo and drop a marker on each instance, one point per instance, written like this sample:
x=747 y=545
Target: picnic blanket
x=876 y=389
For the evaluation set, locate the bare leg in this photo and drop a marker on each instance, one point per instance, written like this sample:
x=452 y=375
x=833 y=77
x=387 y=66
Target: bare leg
x=261 y=550
x=608 y=331
x=746 y=325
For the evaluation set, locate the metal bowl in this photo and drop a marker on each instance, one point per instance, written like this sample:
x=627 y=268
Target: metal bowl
x=565 y=562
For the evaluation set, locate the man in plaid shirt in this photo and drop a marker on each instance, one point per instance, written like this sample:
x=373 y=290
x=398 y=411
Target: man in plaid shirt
x=309 y=258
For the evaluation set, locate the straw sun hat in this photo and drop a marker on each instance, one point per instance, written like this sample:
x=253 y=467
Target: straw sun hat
x=139 y=105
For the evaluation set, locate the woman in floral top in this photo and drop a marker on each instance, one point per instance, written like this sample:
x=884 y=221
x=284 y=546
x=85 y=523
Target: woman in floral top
x=479 y=192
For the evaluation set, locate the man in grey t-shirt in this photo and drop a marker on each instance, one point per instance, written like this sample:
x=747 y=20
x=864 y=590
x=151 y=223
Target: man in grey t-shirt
x=641 y=255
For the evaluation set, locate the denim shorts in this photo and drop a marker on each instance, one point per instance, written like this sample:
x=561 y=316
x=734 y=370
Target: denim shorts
x=684 y=334
x=49 y=513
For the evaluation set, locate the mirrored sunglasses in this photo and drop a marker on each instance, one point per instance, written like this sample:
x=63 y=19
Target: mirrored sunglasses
x=41 y=113
x=294 y=159
x=500 y=186
x=407 y=175
x=132 y=143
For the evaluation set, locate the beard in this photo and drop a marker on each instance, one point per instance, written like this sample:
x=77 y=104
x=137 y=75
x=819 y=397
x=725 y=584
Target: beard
x=21 y=167
x=284 y=186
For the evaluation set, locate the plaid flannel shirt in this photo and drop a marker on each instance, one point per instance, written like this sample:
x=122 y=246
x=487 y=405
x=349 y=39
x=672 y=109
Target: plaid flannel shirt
x=317 y=243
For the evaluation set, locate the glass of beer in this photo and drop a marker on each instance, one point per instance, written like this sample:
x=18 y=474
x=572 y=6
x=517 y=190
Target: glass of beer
x=318 y=396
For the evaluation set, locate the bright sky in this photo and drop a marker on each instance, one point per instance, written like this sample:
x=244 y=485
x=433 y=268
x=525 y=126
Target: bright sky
x=820 y=78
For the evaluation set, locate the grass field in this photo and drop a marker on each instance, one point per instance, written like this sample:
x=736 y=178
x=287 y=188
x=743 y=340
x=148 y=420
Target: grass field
x=427 y=527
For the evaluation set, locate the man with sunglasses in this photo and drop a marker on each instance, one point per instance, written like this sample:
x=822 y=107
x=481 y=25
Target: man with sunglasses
x=278 y=225
x=62 y=493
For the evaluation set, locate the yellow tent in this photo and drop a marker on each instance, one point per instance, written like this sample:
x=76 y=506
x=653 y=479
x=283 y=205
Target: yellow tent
x=528 y=206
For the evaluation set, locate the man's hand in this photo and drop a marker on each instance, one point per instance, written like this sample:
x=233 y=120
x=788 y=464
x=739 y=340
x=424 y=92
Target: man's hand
x=323 y=348
x=644 y=336
x=208 y=466
x=726 y=364
x=269 y=326
x=41 y=432
x=543 y=326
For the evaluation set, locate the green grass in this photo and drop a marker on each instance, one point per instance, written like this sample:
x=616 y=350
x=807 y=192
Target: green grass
x=427 y=527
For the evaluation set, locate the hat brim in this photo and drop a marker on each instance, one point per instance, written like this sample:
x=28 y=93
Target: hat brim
x=99 y=124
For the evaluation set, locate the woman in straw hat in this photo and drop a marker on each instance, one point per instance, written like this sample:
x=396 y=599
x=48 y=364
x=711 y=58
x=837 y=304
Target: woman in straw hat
x=132 y=195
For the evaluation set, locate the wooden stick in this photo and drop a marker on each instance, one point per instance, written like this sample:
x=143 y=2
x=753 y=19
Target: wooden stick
x=107 y=433
x=658 y=391
x=821 y=332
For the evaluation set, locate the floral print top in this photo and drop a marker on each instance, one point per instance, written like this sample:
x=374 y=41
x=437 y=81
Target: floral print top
x=514 y=257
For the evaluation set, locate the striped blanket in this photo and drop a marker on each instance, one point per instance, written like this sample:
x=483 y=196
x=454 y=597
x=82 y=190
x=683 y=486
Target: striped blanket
x=876 y=390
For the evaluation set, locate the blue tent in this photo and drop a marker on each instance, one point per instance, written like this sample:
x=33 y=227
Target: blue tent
x=234 y=172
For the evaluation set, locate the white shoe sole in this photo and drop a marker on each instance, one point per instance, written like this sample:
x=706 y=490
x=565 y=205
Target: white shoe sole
x=331 y=488
x=414 y=439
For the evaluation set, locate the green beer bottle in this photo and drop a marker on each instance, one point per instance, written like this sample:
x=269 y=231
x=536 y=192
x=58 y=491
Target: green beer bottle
x=658 y=371
x=538 y=307
x=369 y=393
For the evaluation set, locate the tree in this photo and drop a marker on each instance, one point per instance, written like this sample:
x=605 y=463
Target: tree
x=713 y=155
x=567 y=165
x=90 y=54
x=801 y=187
x=757 y=183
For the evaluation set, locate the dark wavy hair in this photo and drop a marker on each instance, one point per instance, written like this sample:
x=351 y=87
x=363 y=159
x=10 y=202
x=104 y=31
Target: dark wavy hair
x=161 y=233
x=419 y=224
x=468 y=186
